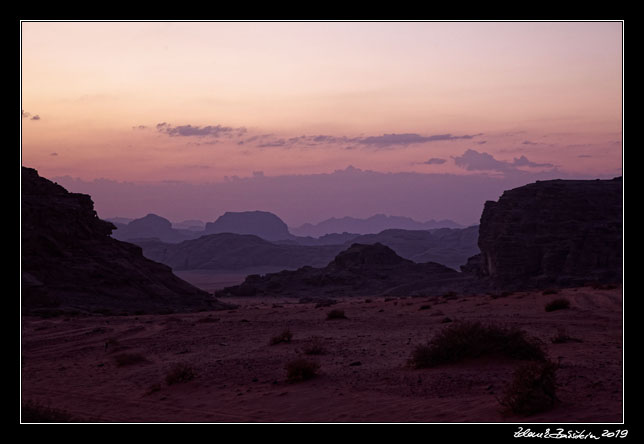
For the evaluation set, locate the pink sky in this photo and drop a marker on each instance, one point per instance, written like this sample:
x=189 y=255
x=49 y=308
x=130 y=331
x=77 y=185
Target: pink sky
x=314 y=97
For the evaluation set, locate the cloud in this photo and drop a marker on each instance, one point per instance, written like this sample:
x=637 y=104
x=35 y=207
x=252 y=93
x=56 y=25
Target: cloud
x=527 y=142
x=26 y=115
x=473 y=160
x=54 y=154
x=139 y=127
x=523 y=161
x=434 y=161
x=584 y=156
x=383 y=141
x=408 y=138
x=213 y=131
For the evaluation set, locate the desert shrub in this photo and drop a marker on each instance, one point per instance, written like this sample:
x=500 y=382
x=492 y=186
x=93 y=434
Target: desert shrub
x=558 y=304
x=124 y=359
x=35 y=412
x=336 y=314
x=153 y=388
x=562 y=336
x=532 y=390
x=464 y=340
x=285 y=337
x=301 y=370
x=180 y=373
x=550 y=291
x=315 y=347
x=425 y=307
x=503 y=294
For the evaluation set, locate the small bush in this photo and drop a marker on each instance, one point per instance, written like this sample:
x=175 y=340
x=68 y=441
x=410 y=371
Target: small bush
x=285 y=337
x=563 y=337
x=315 y=348
x=550 y=291
x=34 y=412
x=336 y=314
x=558 y=304
x=464 y=340
x=301 y=370
x=124 y=359
x=179 y=373
x=153 y=388
x=532 y=390
x=425 y=307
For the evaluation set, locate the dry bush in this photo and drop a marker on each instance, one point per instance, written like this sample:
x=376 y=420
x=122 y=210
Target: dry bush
x=301 y=370
x=464 y=340
x=336 y=314
x=315 y=347
x=562 y=336
x=558 y=304
x=179 y=373
x=550 y=291
x=35 y=412
x=124 y=359
x=284 y=337
x=532 y=390
x=425 y=307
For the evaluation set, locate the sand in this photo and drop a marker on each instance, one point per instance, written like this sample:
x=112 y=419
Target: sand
x=70 y=363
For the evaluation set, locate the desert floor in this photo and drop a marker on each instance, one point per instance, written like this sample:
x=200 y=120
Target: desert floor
x=71 y=363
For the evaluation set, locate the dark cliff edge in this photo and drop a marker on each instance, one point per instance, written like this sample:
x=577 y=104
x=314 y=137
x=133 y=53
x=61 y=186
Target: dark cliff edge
x=71 y=264
x=552 y=233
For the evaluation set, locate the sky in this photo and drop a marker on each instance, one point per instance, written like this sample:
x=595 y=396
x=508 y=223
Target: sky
x=206 y=104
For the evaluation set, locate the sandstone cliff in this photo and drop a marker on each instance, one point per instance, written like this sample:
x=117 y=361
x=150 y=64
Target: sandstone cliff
x=70 y=262
x=557 y=232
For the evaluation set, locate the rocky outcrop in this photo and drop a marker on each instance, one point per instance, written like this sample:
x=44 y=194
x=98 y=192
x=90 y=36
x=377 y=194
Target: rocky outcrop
x=233 y=252
x=260 y=223
x=371 y=225
x=70 y=262
x=360 y=270
x=150 y=226
x=557 y=232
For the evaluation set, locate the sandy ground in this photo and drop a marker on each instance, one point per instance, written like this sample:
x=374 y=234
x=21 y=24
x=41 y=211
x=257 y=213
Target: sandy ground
x=363 y=377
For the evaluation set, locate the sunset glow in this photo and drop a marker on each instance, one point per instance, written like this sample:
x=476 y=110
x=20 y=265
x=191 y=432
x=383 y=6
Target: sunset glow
x=202 y=101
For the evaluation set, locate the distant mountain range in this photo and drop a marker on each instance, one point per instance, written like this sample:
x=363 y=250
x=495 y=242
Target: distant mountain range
x=371 y=225
x=268 y=226
x=450 y=247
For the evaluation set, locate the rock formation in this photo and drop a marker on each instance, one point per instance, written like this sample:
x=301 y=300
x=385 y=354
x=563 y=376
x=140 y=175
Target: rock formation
x=371 y=225
x=70 y=262
x=360 y=270
x=260 y=223
x=556 y=232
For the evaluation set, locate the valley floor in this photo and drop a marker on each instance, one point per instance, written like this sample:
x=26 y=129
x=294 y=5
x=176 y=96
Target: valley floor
x=71 y=363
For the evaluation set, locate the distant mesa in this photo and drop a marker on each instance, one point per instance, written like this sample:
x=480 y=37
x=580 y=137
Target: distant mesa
x=371 y=225
x=70 y=262
x=192 y=224
x=260 y=223
x=152 y=226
